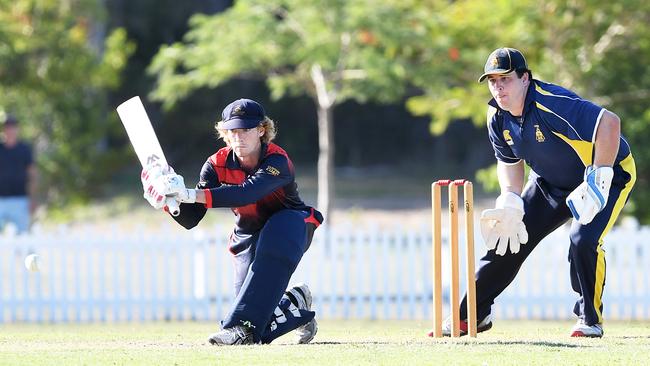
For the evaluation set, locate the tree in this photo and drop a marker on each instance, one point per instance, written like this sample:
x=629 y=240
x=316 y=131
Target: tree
x=55 y=67
x=597 y=49
x=332 y=51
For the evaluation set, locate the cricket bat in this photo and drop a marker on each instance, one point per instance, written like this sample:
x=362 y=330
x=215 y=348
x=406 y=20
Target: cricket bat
x=143 y=139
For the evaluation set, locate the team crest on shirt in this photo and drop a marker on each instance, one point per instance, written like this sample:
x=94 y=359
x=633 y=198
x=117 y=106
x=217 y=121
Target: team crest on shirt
x=272 y=170
x=539 y=136
x=507 y=137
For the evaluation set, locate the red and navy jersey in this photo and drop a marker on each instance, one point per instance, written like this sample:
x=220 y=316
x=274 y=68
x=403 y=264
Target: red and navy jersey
x=555 y=134
x=253 y=196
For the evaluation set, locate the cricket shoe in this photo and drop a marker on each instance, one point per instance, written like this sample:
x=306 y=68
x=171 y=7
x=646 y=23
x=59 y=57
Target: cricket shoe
x=300 y=295
x=581 y=329
x=237 y=335
x=484 y=325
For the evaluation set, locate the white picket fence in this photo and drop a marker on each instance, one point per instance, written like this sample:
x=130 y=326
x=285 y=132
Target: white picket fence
x=95 y=275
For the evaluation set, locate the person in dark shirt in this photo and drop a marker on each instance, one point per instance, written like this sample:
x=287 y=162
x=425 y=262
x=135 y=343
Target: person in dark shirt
x=581 y=169
x=17 y=178
x=273 y=227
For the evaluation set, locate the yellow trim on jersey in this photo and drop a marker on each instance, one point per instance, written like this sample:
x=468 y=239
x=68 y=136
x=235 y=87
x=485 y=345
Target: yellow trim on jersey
x=581 y=147
x=629 y=166
x=542 y=91
x=539 y=89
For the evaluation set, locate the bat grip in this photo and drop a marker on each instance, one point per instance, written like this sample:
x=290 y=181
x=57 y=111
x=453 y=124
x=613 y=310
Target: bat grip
x=172 y=204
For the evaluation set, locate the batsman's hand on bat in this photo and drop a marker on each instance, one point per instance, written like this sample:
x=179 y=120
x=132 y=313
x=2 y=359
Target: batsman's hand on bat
x=586 y=201
x=175 y=186
x=504 y=224
x=154 y=187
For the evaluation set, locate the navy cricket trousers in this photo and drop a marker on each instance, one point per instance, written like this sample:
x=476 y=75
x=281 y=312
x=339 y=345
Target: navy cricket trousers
x=263 y=270
x=546 y=210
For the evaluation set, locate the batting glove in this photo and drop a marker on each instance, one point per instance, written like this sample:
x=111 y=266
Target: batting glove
x=174 y=185
x=154 y=190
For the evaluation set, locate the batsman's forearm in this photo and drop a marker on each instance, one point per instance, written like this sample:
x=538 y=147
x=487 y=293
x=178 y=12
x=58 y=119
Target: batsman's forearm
x=200 y=196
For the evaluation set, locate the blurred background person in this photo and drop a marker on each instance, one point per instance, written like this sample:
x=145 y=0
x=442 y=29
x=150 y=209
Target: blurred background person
x=17 y=178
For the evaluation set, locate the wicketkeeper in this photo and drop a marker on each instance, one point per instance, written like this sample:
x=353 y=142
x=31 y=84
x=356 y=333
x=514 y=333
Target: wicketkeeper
x=581 y=169
x=273 y=228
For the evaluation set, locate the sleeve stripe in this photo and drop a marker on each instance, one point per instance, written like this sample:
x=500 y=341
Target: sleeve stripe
x=598 y=119
x=208 y=198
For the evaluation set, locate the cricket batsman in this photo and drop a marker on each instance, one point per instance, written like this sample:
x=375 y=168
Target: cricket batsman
x=581 y=169
x=273 y=227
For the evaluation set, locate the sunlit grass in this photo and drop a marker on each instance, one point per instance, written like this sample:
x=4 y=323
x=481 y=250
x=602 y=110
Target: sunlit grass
x=337 y=343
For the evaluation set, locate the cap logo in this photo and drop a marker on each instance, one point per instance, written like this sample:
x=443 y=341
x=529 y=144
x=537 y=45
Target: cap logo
x=237 y=111
x=495 y=61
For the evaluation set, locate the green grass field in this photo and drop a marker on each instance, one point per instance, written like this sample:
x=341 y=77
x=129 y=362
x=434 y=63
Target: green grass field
x=337 y=343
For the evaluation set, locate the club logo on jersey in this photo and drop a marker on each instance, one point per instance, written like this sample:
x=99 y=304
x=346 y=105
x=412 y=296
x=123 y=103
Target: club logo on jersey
x=507 y=137
x=539 y=136
x=272 y=170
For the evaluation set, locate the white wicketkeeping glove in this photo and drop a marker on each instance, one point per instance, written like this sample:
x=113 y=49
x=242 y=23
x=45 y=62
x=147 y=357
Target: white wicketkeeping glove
x=586 y=201
x=174 y=185
x=153 y=189
x=504 y=224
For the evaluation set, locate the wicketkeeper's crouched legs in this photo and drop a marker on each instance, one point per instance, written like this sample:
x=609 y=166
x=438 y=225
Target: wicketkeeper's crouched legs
x=544 y=212
x=278 y=251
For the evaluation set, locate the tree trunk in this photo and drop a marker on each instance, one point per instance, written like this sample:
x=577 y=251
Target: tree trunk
x=325 y=161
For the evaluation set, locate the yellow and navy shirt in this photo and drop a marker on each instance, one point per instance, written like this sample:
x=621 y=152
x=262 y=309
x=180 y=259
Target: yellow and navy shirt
x=555 y=135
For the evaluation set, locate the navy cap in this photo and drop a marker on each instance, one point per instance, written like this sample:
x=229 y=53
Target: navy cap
x=10 y=121
x=242 y=113
x=502 y=61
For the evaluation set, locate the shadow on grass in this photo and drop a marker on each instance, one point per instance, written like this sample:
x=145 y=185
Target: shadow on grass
x=545 y=344
x=535 y=343
x=324 y=343
x=630 y=337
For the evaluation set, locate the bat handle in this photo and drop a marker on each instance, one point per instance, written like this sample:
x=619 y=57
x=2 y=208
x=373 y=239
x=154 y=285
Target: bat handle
x=172 y=204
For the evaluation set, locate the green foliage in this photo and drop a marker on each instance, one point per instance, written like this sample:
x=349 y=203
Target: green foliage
x=488 y=178
x=366 y=50
x=54 y=73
